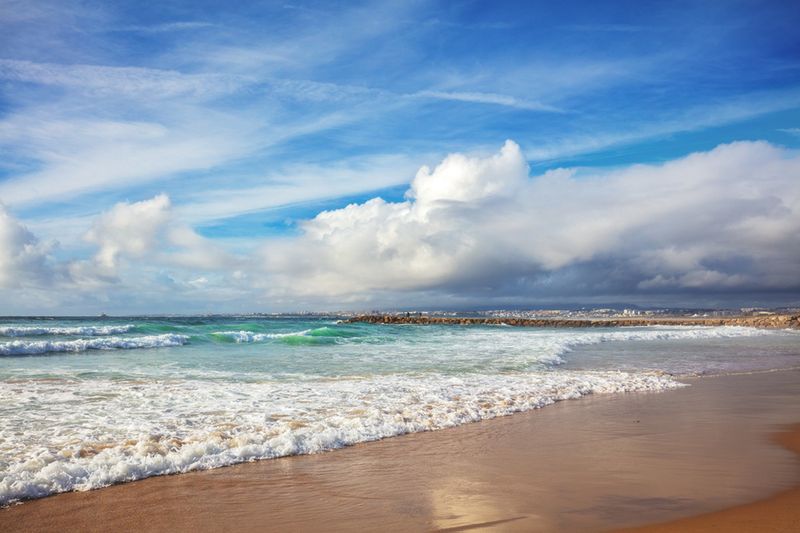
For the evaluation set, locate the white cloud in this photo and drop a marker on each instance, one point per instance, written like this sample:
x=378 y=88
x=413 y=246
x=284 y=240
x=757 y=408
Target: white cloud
x=467 y=179
x=23 y=258
x=115 y=81
x=691 y=119
x=128 y=229
x=167 y=27
x=297 y=184
x=77 y=156
x=471 y=229
x=147 y=230
x=724 y=219
x=489 y=98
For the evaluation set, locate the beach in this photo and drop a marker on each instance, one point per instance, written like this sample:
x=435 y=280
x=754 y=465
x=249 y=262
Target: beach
x=313 y=266
x=780 y=512
x=600 y=463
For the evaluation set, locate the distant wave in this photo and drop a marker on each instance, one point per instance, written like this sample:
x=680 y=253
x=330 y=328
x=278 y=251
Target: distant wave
x=322 y=335
x=249 y=336
x=89 y=331
x=82 y=345
x=549 y=348
x=652 y=333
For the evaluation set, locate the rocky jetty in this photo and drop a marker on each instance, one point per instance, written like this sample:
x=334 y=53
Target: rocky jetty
x=757 y=321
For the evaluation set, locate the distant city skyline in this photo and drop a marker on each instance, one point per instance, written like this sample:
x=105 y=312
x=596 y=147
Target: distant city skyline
x=190 y=157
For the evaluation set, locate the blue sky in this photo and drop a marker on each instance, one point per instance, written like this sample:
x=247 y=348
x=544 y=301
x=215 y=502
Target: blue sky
x=255 y=118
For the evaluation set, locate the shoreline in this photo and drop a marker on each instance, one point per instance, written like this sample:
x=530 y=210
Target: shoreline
x=778 y=512
x=603 y=462
x=782 y=321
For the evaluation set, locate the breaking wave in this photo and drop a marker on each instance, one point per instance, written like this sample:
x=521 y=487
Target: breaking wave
x=88 y=331
x=214 y=425
x=82 y=345
x=322 y=335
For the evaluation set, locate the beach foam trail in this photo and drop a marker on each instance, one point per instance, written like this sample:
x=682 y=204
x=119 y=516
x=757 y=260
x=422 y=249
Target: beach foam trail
x=171 y=427
x=88 y=331
x=82 y=345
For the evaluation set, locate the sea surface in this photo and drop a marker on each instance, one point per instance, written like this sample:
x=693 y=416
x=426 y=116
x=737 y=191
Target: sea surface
x=89 y=402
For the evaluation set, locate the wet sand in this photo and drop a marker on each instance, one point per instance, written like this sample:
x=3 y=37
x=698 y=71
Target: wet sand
x=598 y=463
x=778 y=513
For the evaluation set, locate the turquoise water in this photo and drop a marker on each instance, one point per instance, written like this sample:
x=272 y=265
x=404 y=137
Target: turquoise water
x=85 y=403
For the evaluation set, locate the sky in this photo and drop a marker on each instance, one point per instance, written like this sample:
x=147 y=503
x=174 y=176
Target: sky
x=196 y=157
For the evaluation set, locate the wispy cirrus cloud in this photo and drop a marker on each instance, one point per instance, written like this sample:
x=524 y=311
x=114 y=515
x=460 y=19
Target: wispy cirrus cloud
x=115 y=81
x=693 y=119
x=80 y=156
x=298 y=184
x=180 y=25
x=489 y=98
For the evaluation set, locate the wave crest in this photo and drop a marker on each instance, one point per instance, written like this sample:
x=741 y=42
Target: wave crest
x=321 y=335
x=82 y=345
x=88 y=331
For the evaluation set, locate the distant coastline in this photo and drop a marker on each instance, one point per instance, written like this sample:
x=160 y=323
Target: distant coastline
x=776 y=321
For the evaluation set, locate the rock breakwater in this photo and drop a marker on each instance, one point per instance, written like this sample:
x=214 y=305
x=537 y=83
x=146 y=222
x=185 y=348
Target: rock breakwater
x=760 y=321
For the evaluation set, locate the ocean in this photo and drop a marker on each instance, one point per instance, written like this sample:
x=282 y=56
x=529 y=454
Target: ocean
x=90 y=402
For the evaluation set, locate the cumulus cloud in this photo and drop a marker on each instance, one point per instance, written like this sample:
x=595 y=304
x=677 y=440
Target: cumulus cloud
x=138 y=235
x=148 y=230
x=474 y=229
x=128 y=229
x=141 y=251
x=723 y=220
x=23 y=258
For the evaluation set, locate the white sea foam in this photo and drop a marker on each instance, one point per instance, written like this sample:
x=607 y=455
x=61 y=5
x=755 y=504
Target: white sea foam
x=566 y=343
x=115 y=431
x=82 y=345
x=249 y=336
x=88 y=331
x=526 y=348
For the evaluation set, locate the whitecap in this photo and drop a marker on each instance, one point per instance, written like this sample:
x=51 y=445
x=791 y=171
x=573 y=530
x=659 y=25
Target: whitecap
x=89 y=331
x=82 y=345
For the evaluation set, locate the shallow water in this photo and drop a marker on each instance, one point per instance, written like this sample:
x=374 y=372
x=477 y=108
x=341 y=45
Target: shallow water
x=85 y=403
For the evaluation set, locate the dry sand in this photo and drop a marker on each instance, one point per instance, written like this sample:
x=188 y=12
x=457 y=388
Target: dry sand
x=594 y=464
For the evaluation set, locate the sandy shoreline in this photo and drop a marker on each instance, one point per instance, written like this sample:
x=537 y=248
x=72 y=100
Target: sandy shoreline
x=777 y=513
x=598 y=463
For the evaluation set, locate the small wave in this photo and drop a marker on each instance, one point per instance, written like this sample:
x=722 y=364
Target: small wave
x=249 y=336
x=89 y=331
x=328 y=331
x=323 y=335
x=82 y=345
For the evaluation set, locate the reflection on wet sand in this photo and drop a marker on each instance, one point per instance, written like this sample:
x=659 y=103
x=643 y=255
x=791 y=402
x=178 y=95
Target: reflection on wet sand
x=460 y=503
